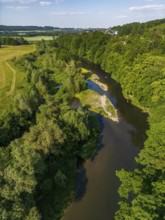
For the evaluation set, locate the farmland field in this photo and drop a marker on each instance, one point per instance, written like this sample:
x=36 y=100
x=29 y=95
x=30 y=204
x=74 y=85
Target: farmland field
x=10 y=77
x=38 y=38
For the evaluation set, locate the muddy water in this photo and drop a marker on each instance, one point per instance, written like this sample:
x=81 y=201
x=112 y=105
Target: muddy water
x=97 y=196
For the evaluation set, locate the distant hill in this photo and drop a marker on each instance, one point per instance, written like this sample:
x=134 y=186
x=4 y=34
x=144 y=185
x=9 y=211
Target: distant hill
x=24 y=28
x=38 y=30
x=138 y=28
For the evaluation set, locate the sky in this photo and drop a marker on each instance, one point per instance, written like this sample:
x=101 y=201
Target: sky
x=79 y=13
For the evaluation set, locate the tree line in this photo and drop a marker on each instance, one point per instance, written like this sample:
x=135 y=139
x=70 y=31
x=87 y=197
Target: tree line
x=13 y=41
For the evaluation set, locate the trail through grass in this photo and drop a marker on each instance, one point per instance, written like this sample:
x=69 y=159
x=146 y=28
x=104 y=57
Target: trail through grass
x=13 y=79
x=10 y=76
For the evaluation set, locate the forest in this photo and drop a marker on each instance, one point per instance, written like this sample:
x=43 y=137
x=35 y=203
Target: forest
x=38 y=163
x=42 y=139
x=136 y=59
x=13 y=41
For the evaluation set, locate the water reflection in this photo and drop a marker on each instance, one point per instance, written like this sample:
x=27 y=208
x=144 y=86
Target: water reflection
x=126 y=110
x=93 y=86
x=81 y=184
x=96 y=196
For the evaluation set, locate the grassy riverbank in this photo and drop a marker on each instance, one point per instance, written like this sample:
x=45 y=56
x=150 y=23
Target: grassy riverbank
x=97 y=103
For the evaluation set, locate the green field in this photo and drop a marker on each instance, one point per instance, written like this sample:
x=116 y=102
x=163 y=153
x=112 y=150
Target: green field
x=38 y=38
x=10 y=77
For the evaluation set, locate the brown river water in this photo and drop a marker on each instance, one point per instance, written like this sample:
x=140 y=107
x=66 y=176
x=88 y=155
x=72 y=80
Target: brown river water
x=97 y=197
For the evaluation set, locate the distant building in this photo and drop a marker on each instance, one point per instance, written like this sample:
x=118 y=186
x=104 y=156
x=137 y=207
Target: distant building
x=111 y=32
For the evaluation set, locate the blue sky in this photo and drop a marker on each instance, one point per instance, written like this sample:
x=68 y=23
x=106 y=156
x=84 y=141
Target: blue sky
x=79 y=13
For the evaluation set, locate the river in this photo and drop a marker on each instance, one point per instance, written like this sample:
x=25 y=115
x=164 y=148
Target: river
x=97 y=197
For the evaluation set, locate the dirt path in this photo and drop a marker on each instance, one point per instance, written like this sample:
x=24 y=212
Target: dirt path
x=12 y=87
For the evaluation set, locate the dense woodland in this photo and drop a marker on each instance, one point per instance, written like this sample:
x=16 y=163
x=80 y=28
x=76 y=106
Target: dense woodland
x=136 y=59
x=13 y=41
x=42 y=138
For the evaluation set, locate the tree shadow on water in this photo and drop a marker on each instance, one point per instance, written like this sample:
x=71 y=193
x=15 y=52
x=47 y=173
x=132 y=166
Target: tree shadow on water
x=138 y=138
x=100 y=144
x=81 y=178
x=82 y=181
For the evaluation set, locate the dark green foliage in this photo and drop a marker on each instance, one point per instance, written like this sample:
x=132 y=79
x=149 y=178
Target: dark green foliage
x=138 y=28
x=13 y=41
x=42 y=139
x=147 y=183
x=136 y=59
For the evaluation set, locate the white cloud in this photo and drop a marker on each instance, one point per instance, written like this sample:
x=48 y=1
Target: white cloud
x=45 y=3
x=147 y=7
x=122 y=16
x=17 y=8
x=63 y=13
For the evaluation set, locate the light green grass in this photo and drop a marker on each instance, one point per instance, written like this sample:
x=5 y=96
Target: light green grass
x=93 y=77
x=7 y=75
x=90 y=99
x=38 y=38
x=83 y=70
x=95 y=102
x=9 y=85
x=110 y=108
x=9 y=52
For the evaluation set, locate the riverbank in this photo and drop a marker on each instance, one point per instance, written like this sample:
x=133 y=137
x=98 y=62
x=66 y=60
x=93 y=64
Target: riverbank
x=95 y=79
x=100 y=104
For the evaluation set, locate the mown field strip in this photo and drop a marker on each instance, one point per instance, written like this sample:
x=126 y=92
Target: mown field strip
x=12 y=87
x=38 y=38
x=7 y=53
x=2 y=76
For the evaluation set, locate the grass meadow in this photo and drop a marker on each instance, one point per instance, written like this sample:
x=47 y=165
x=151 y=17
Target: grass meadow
x=38 y=38
x=11 y=77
